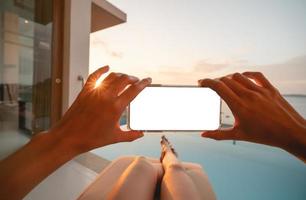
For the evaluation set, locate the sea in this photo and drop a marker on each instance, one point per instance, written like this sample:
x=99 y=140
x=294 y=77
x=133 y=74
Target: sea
x=237 y=170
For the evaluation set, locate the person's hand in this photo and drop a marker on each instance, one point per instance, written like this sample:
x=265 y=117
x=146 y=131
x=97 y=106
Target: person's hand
x=261 y=114
x=92 y=120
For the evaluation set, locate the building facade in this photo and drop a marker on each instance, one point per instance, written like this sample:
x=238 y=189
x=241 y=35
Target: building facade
x=44 y=60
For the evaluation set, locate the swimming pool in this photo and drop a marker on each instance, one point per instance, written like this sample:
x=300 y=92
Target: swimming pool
x=241 y=171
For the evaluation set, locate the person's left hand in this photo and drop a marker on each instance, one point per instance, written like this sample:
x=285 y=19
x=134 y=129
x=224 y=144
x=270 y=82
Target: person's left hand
x=92 y=120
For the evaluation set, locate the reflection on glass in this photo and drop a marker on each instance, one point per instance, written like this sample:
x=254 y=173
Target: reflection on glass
x=25 y=71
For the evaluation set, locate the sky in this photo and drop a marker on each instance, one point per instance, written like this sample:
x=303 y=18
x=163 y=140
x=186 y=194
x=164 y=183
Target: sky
x=180 y=41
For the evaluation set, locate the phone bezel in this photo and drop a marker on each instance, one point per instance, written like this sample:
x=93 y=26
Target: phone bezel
x=176 y=86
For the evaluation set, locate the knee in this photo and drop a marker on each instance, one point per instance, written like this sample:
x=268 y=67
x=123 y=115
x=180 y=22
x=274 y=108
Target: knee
x=142 y=164
x=141 y=160
x=191 y=166
x=175 y=167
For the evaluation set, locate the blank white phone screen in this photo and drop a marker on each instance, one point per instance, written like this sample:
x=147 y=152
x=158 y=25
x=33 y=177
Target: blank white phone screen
x=175 y=108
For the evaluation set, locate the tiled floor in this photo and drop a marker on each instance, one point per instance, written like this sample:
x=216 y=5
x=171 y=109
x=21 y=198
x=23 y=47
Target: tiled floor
x=92 y=161
x=10 y=141
x=66 y=183
x=11 y=138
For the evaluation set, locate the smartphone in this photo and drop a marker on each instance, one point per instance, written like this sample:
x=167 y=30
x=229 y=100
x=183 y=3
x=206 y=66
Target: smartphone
x=175 y=108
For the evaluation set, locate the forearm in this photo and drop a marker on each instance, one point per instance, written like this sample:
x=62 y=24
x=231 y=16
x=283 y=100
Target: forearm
x=27 y=167
x=297 y=146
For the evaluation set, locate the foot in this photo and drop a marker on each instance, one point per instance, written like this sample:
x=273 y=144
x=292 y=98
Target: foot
x=166 y=147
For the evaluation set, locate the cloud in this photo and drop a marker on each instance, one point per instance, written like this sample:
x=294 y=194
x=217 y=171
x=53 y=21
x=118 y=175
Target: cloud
x=206 y=67
x=202 y=67
x=293 y=70
x=181 y=75
x=288 y=76
x=116 y=54
x=98 y=43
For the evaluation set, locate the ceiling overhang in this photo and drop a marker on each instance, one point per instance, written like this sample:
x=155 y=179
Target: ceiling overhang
x=105 y=15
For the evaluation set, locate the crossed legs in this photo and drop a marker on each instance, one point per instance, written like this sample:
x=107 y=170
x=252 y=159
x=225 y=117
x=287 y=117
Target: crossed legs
x=183 y=180
x=143 y=178
x=139 y=181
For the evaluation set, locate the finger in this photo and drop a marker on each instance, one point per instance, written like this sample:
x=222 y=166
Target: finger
x=94 y=77
x=92 y=81
x=259 y=78
x=128 y=136
x=236 y=87
x=222 y=134
x=111 y=78
x=96 y=74
x=122 y=82
x=131 y=92
x=223 y=90
x=246 y=82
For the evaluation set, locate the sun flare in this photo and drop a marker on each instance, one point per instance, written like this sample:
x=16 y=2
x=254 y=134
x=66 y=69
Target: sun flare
x=99 y=81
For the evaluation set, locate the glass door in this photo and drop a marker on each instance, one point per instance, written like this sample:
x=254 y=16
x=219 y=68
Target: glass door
x=26 y=29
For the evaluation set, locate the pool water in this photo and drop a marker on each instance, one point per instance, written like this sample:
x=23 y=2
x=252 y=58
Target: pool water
x=243 y=170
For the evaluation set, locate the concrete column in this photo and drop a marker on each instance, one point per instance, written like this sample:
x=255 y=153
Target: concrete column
x=76 y=48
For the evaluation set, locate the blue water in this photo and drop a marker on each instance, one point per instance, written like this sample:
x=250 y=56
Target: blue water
x=242 y=171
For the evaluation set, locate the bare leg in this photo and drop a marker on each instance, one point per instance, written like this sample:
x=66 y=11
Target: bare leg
x=181 y=183
x=200 y=180
x=115 y=181
x=138 y=181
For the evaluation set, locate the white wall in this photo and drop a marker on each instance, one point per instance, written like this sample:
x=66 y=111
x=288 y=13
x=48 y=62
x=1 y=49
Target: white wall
x=76 y=48
x=78 y=19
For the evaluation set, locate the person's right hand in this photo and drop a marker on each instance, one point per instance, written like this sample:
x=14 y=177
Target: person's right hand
x=261 y=114
x=92 y=120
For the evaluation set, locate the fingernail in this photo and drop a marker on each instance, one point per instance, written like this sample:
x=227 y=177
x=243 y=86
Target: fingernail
x=134 y=78
x=106 y=67
x=149 y=79
x=205 y=136
x=204 y=79
x=229 y=76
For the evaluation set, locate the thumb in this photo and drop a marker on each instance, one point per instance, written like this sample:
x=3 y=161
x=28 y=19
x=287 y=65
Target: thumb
x=129 y=136
x=221 y=134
